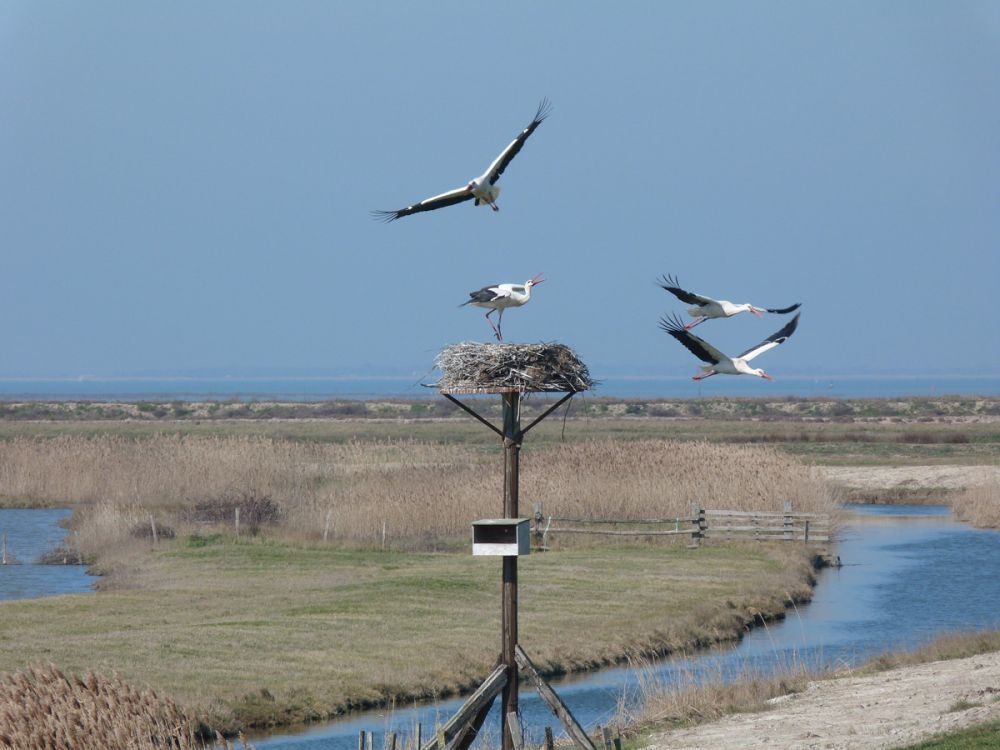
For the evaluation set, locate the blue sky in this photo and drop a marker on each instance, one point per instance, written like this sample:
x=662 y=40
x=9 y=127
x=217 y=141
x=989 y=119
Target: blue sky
x=186 y=186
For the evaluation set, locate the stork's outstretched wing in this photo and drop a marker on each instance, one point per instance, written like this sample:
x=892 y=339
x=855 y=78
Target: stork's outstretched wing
x=696 y=345
x=669 y=283
x=507 y=155
x=772 y=341
x=784 y=310
x=458 y=195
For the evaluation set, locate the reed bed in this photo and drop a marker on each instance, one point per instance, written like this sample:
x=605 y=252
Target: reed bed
x=45 y=709
x=980 y=505
x=409 y=494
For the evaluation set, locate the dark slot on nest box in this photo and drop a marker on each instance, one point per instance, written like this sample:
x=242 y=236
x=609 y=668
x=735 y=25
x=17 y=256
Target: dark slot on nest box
x=501 y=536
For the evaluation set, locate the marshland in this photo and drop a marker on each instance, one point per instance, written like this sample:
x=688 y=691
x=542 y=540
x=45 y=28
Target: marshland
x=348 y=581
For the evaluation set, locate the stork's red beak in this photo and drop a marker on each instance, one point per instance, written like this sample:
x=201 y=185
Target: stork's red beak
x=537 y=279
x=765 y=375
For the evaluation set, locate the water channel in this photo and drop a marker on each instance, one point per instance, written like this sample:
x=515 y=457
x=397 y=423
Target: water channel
x=910 y=573
x=31 y=533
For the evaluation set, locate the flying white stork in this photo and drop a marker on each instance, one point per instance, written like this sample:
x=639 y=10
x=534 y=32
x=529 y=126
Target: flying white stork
x=706 y=307
x=500 y=297
x=719 y=363
x=482 y=189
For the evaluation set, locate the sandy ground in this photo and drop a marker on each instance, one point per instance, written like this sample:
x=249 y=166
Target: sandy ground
x=887 y=710
x=946 y=476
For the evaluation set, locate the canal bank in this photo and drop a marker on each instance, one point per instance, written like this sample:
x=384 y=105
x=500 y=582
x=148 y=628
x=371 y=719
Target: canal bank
x=910 y=574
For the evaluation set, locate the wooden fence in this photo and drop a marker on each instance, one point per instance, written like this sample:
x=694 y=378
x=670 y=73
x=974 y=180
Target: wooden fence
x=607 y=739
x=781 y=526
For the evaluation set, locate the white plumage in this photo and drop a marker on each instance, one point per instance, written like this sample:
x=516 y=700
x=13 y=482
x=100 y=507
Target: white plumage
x=501 y=296
x=483 y=189
x=706 y=307
x=722 y=364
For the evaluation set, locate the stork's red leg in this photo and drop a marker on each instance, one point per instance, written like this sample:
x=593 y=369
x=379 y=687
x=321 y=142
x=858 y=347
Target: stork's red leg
x=496 y=331
x=704 y=375
x=696 y=321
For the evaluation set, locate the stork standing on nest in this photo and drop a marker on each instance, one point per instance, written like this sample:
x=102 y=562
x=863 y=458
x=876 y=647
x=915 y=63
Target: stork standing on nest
x=500 y=297
x=483 y=189
x=706 y=307
x=719 y=363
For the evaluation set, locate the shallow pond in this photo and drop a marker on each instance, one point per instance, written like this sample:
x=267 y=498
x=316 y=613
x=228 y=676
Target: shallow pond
x=910 y=573
x=30 y=533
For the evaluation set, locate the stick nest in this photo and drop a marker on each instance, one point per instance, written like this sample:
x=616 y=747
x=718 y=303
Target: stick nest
x=472 y=367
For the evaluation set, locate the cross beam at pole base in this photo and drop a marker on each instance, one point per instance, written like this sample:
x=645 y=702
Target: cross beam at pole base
x=547 y=694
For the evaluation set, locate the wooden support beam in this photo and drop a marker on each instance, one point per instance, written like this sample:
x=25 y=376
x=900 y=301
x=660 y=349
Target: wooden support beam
x=548 y=411
x=514 y=728
x=468 y=734
x=547 y=694
x=469 y=711
x=469 y=410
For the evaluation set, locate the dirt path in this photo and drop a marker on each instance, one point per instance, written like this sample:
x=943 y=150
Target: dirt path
x=944 y=476
x=886 y=710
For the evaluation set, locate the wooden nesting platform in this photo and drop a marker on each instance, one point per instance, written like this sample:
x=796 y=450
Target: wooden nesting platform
x=473 y=367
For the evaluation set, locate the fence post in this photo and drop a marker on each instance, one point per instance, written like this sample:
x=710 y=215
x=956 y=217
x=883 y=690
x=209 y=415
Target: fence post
x=806 y=538
x=538 y=515
x=237 y=524
x=152 y=526
x=390 y=741
x=787 y=526
x=420 y=732
x=549 y=741
x=702 y=523
x=606 y=736
x=696 y=518
x=326 y=526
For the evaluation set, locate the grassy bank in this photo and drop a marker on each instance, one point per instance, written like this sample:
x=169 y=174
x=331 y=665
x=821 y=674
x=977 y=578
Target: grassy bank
x=984 y=737
x=262 y=632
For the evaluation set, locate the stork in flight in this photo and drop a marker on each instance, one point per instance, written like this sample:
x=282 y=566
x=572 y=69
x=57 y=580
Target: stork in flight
x=482 y=189
x=719 y=363
x=706 y=307
x=500 y=297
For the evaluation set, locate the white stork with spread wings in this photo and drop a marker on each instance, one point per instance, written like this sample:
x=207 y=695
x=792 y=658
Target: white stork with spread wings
x=719 y=363
x=706 y=307
x=483 y=189
x=500 y=297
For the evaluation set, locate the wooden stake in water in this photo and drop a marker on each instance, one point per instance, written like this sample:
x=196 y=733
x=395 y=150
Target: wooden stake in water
x=3 y=555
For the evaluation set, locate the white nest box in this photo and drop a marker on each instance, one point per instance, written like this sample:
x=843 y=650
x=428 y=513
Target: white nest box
x=501 y=536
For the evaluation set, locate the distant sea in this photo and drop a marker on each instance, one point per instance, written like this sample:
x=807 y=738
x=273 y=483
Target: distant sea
x=324 y=388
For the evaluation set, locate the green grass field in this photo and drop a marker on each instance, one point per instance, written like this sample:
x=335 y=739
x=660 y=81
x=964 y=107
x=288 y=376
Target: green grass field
x=259 y=632
x=984 y=737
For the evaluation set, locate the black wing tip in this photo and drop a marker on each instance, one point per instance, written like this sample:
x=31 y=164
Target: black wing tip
x=385 y=216
x=789 y=327
x=668 y=281
x=785 y=310
x=544 y=110
x=673 y=325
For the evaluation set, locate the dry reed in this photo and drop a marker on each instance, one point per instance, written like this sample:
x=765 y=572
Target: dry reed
x=44 y=709
x=980 y=505
x=404 y=493
x=476 y=367
x=690 y=698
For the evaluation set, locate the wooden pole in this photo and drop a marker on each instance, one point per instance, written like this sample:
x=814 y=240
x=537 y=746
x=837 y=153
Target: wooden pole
x=511 y=479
